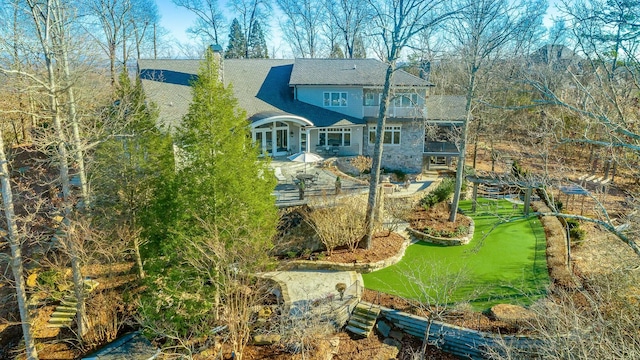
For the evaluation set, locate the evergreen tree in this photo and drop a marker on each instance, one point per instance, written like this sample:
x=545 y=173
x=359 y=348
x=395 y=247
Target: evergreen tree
x=359 y=50
x=257 y=46
x=237 y=46
x=223 y=218
x=336 y=52
x=129 y=163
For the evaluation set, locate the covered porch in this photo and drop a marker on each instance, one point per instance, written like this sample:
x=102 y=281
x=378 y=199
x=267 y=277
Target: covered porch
x=279 y=134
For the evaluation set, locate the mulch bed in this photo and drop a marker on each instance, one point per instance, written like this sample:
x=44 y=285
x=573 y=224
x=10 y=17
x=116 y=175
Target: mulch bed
x=384 y=245
x=437 y=218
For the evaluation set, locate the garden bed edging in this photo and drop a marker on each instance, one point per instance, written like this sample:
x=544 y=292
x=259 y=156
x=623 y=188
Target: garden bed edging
x=445 y=241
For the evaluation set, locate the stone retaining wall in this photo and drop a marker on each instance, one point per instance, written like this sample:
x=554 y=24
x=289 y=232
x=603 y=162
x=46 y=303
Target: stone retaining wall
x=444 y=241
x=362 y=268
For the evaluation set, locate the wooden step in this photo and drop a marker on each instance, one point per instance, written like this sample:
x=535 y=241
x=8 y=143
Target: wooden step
x=62 y=315
x=57 y=326
x=364 y=319
x=67 y=309
x=367 y=312
x=60 y=320
x=66 y=302
x=359 y=324
x=357 y=331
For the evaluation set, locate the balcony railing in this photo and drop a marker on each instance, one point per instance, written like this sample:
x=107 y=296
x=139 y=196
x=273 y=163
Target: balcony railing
x=440 y=147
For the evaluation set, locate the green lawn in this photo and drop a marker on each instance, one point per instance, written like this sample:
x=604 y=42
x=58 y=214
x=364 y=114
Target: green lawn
x=502 y=264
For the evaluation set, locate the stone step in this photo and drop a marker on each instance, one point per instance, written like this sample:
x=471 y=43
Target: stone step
x=357 y=331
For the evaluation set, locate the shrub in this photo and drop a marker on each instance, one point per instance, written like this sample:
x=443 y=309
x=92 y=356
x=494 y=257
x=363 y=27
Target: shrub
x=572 y=223
x=439 y=194
x=577 y=234
x=517 y=170
x=362 y=164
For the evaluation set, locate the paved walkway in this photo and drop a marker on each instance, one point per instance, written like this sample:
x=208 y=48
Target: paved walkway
x=287 y=192
x=315 y=291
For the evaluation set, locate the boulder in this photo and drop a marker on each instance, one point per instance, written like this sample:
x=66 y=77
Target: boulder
x=395 y=334
x=383 y=328
x=266 y=339
x=512 y=314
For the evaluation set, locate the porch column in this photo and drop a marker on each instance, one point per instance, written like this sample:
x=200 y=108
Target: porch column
x=308 y=146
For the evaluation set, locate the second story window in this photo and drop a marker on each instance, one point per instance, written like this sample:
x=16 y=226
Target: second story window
x=405 y=100
x=335 y=99
x=371 y=97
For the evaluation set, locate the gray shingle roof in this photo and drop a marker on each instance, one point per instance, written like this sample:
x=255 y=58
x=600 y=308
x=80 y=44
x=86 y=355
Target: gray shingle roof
x=348 y=72
x=446 y=107
x=260 y=85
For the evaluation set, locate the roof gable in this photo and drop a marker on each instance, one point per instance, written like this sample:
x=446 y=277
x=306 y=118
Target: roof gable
x=260 y=85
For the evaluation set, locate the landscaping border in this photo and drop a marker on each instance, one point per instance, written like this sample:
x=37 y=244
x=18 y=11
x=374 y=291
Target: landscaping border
x=556 y=235
x=362 y=268
x=456 y=340
x=445 y=241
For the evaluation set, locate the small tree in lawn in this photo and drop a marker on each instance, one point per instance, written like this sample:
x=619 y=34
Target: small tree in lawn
x=218 y=222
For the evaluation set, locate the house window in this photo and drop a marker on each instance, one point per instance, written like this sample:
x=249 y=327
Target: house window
x=405 y=100
x=391 y=135
x=335 y=99
x=371 y=97
x=334 y=137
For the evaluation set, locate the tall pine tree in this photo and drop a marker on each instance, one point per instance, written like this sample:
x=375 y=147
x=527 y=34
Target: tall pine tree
x=237 y=46
x=224 y=218
x=128 y=164
x=257 y=46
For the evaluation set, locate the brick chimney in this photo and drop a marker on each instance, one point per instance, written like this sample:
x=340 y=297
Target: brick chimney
x=217 y=55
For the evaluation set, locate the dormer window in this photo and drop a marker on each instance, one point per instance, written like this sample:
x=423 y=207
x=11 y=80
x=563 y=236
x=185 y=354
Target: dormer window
x=335 y=99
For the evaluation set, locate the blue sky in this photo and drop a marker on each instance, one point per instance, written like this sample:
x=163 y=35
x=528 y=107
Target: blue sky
x=176 y=20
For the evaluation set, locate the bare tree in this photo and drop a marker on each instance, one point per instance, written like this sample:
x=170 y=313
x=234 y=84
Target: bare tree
x=46 y=18
x=396 y=23
x=596 y=322
x=15 y=243
x=597 y=96
x=145 y=21
x=481 y=32
x=350 y=18
x=210 y=20
x=302 y=25
x=113 y=20
x=338 y=224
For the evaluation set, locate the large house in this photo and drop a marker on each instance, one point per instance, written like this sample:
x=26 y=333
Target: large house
x=326 y=106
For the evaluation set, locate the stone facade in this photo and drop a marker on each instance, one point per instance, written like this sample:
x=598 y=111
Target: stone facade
x=407 y=156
